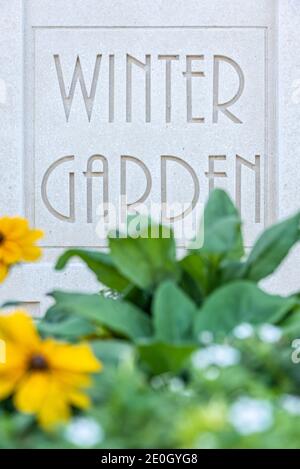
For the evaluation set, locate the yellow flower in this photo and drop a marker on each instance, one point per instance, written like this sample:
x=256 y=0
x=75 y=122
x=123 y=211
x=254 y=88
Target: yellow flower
x=3 y=271
x=17 y=241
x=45 y=377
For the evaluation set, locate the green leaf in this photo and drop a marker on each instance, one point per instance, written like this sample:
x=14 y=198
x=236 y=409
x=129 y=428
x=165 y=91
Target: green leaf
x=71 y=328
x=145 y=261
x=173 y=314
x=240 y=302
x=100 y=263
x=118 y=316
x=271 y=248
x=231 y=270
x=224 y=237
x=111 y=352
x=291 y=324
x=222 y=227
x=162 y=358
x=196 y=267
x=140 y=298
x=219 y=206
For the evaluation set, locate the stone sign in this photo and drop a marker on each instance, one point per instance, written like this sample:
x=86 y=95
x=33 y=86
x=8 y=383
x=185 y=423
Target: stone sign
x=108 y=106
x=148 y=114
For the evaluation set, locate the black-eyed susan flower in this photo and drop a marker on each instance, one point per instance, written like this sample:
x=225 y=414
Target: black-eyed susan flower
x=3 y=271
x=17 y=242
x=45 y=377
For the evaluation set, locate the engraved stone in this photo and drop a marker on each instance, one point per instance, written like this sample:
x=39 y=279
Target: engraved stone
x=135 y=102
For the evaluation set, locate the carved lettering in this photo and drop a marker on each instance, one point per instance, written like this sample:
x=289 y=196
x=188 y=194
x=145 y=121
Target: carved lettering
x=223 y=107
x=256 y=168
x=78 y=76
x=71 y=216
x=195 y=180
x=147 y=69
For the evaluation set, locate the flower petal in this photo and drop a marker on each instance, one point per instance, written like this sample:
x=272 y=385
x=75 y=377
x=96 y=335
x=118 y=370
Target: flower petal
x=76 y=358
x=10 y=252
x=3 y=271
x=55 y=408
x=19 y=327
x=32 y=392
x=69 y=378
x=7 y=385
x=31 y=253
x=14 y=227
x=14 y=359
x=79 y=399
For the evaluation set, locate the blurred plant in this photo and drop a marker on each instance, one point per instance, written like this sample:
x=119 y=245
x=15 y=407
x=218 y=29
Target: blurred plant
x=250 y=402
x=195 y=354
x=17 y=243
x=45 y=377
x=163 y=305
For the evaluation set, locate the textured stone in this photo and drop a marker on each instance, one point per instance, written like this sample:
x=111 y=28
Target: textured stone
x=99 y=97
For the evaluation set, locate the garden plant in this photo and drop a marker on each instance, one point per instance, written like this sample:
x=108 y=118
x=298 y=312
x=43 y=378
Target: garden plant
x=173 y=351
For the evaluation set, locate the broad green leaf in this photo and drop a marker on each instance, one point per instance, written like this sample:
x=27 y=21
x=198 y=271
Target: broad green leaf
x=191 y=288
x=160 y=357
x=111 y=352
x=145 y=261
x=100 y=263
x=204 y=272
x=231 y=270
x=224 y=237
x=222 y=227
x=70 y=328
x=291 y=325
x=140 y=298
x=219 y=205
x=240 y=302
x=271 y=248
x=195 y=266
x=118 y=316
x=173 y=314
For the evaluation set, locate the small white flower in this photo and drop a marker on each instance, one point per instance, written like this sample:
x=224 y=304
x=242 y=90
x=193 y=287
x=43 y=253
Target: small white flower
x=84 y=432
x=206 y=337
x=219 y=355
x=158 y=382
x=269 y=333
x=243 y=331
x=251 y=415
x=291 y=404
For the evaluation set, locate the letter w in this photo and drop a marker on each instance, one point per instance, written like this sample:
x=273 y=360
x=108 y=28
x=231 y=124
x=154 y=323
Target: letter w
x=78 y=75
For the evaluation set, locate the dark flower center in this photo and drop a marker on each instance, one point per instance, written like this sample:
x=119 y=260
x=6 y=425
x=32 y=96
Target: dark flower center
x=38 y=363
x=2 y=238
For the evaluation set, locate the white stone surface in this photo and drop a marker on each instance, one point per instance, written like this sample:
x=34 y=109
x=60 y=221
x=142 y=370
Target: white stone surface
x=196 y=139
x=287 y=279
x=40 y=42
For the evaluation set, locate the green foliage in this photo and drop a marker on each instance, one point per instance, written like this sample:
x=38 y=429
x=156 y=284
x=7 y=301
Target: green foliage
x=163 y=357
x=99 y=263
x=222 y=227
x=146 y=261
x=170 y=301
x=120 y=317
x=241 y=302
x=170 y=411
x=174 y=364
x=173 y=314
x=271 y=248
